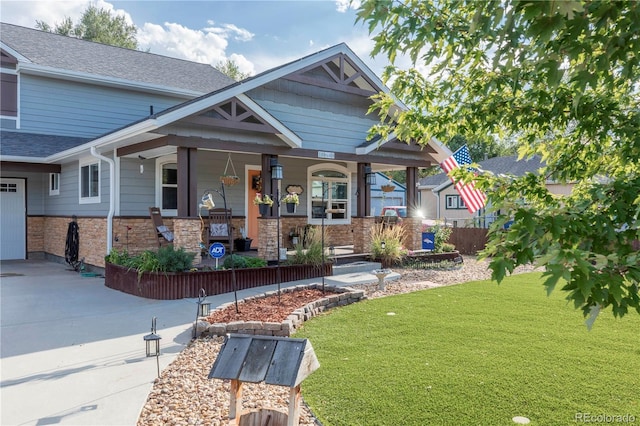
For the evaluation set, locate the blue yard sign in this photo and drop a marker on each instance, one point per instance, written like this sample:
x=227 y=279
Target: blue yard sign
x=216 y=250
x=428 y=241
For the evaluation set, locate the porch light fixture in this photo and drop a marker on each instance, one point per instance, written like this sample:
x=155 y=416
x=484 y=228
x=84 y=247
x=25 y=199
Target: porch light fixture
x=276 y=169
x=369 y=176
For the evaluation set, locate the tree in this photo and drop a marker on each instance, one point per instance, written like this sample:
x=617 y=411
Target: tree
x=96 y=25
x=562 y=78
x=231 y=69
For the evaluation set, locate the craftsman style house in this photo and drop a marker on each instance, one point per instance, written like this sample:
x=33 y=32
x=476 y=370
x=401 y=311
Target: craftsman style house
x=99 y=134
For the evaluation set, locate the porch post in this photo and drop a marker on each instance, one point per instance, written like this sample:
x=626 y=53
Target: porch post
x=413 y=203
x=187 y=182
x=363 y=192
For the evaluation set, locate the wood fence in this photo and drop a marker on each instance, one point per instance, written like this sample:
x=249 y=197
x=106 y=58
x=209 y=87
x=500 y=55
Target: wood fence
x=469 y=240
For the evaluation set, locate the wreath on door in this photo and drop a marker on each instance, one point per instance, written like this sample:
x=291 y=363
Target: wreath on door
x=256 y=183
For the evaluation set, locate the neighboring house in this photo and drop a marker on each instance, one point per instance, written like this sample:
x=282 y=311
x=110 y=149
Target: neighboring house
x=441 y=201
x=380 y=198
x=103 y=133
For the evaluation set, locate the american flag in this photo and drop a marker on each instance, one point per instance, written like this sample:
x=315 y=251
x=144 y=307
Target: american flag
x=473 y=198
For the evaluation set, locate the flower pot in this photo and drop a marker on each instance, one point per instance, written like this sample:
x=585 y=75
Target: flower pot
x=242 y=244
x=291 y=207
x=264 y=209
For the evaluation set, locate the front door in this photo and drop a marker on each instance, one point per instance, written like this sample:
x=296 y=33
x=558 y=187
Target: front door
x=254 y=183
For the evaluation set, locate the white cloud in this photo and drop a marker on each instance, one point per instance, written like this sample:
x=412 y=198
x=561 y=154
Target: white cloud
x=205 y=46
x=178 y=41
x=344 y=5
x=244 y=65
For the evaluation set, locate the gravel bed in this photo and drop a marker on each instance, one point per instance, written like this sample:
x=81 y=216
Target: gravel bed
x=183 y=395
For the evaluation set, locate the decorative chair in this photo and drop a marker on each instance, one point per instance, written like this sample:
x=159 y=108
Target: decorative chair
x=164 y=235
x=219 y=227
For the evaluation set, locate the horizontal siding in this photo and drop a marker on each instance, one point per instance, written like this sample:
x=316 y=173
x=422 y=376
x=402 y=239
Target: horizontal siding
x=137 y=190
x=73 y=109
x=322 y=130
x=67 y=203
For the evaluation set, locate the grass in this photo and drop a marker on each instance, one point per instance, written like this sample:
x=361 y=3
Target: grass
x=471 y=354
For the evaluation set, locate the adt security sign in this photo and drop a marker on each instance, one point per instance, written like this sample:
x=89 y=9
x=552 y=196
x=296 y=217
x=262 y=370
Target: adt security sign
x=216 y=250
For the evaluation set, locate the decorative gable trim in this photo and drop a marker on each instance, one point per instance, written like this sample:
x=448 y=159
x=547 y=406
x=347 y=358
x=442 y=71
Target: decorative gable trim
x=338 y=72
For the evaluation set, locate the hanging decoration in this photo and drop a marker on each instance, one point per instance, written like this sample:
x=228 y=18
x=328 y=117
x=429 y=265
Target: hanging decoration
x=228 y=178
x=256 y=183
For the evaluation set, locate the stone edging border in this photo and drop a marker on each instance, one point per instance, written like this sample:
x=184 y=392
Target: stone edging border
x=341 y=296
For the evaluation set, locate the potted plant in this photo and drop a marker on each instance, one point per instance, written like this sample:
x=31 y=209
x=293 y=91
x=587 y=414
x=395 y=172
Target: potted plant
x=244 y=243
x=291 y=200
x=263 y=202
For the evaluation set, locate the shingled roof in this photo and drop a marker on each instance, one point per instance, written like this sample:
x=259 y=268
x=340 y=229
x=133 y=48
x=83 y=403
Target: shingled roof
x=35 y=145
x=81 y=56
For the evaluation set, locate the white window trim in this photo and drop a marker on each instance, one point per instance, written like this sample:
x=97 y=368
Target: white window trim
x=160 y=161
x=337 y=168
x=56 y=190
x=84 y=163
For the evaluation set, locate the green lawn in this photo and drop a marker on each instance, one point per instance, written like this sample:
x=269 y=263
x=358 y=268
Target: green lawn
x=472 y=354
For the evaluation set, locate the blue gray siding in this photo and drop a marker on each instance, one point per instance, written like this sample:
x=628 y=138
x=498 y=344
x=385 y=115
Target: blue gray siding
x=69 y=108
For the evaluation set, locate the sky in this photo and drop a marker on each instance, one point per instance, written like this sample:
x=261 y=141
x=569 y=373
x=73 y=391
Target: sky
x=256 y=35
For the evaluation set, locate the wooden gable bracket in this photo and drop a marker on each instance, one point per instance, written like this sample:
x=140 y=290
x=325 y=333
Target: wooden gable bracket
x=232 y=114
x=342 y=73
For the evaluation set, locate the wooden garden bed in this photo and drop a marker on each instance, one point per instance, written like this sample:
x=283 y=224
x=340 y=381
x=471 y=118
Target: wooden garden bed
x=179 y=285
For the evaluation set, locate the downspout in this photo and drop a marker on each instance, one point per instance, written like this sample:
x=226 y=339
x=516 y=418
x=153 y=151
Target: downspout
x=112 y=194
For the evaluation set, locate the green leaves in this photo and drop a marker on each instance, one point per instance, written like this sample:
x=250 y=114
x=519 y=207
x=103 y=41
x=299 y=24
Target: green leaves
x=561 y=78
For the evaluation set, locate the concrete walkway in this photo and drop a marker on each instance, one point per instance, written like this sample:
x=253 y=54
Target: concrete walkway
x=72 y=351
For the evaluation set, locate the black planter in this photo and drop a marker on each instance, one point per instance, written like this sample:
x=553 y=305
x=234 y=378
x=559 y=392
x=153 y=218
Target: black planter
x=242 y=244
x=291 y=207
x=264 y=209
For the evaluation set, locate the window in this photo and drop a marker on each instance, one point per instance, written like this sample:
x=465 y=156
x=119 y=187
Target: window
x=90 y=183
x=167 y=185
x=54 y=183
x=8 y=187
x=329 y=195
x=9 y=94
x=454 y=202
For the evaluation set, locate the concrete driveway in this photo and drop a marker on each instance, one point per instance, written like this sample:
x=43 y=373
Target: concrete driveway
x=72 y=350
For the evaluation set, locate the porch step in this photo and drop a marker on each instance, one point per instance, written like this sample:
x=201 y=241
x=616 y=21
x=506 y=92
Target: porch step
x=355 y=267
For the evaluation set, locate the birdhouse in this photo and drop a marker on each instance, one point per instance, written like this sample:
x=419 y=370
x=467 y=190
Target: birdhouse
x=279 y=361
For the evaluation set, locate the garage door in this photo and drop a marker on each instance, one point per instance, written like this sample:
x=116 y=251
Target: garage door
x=13 y=227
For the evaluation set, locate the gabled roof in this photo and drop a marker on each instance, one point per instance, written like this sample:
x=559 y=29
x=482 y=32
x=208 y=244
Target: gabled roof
x=335 y=54
x=44 y=52
x=509 y=165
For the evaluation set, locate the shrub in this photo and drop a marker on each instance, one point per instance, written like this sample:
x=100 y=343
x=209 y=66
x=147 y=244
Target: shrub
x=312 y=255
x=393 y=238
x=166 y=259
x=447 y=247
x=235 y=261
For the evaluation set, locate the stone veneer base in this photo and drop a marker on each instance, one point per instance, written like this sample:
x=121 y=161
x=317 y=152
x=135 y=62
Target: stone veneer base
x=340 y=296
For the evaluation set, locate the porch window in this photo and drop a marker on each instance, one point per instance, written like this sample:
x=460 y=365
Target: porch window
x=89 y=182
x=54 y=183
x=170 y=187
x=167 y=185
x=329 y=196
